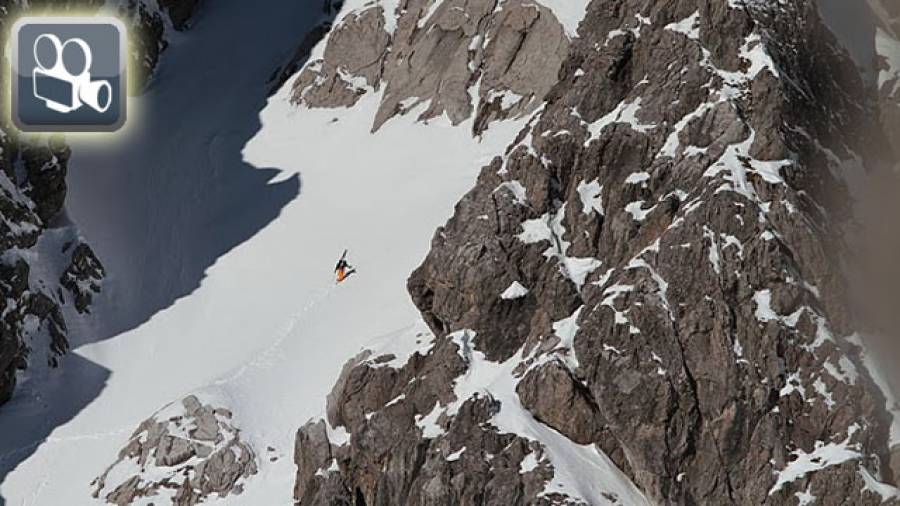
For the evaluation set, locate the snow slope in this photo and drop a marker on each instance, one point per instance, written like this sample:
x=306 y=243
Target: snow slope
x=220 y=270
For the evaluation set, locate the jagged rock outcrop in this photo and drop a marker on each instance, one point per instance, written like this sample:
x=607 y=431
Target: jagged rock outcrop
x=459 y=457
x=184 y=454
x=83 y=276
x=303 y=51
x=36 y=276
x=460 y=58
x=642 y=300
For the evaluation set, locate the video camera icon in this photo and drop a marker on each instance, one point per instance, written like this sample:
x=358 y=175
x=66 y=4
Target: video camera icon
x=64 y=84
x=68 y=74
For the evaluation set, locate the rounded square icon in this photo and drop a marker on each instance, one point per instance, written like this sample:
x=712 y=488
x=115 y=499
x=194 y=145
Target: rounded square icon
x=68 y=74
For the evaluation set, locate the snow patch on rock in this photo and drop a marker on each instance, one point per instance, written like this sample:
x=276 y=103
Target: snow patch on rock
x=515 y=291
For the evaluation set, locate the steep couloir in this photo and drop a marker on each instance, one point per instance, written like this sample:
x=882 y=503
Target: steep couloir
x=48 y=274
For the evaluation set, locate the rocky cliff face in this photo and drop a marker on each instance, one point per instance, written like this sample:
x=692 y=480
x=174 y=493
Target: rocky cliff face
x=459 y=57
x=48 y=275
x=44 y=267
x=642 y=299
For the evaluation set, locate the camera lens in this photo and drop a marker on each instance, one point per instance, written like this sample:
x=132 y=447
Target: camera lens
x=104 y=96
x=46 y=51
x=76 y=56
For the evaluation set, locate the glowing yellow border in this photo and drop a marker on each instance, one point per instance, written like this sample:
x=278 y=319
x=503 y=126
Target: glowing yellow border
x=132 y=87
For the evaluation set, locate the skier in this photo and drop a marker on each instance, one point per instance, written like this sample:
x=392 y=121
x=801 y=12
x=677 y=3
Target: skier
x=343 y=270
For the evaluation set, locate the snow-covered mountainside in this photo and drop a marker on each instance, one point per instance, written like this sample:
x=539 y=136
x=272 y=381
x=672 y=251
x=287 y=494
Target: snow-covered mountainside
x=642 y=298
x=635 y=293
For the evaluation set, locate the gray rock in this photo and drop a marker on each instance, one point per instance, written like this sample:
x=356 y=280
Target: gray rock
x=82 y=278
x=177 y=462
x=464 y=49
x=556 y=398
x=173 y=451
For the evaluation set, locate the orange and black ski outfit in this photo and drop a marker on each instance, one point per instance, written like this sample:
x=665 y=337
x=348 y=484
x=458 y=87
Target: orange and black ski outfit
x=343 y=270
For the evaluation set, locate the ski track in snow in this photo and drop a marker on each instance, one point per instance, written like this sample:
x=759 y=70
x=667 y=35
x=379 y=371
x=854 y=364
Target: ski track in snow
x=264 y=358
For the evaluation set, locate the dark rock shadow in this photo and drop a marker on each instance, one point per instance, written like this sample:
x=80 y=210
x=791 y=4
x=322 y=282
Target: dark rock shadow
x=42 y=404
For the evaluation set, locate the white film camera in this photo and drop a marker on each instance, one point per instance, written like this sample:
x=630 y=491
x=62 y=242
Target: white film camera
x=64 y=89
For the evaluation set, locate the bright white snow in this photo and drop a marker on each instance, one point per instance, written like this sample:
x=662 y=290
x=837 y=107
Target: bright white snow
x=568 y=12
x=889 y=48
x=689 y=26
x=591 y=195
x=514 y=291
x=822 y=456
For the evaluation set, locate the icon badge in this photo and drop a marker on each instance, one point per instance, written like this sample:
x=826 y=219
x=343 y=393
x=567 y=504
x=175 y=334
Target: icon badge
x=68 y=74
